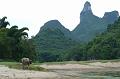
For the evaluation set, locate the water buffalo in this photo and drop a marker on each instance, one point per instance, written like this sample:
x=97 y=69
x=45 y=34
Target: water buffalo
x=25 y=63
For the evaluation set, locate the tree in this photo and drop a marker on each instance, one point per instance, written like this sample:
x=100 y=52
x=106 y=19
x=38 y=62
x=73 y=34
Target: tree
x=3 y=23
x=14 y=42
x=18 y=34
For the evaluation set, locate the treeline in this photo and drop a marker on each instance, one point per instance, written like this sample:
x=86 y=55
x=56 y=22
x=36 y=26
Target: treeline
x=14 y=42
x=103 y=46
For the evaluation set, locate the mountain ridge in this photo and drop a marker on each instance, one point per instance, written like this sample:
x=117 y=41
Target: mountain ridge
x=82 y=32
x=53 y=37
x=91 y=25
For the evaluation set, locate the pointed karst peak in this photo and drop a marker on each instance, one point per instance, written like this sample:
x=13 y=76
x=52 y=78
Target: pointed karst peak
x=87 y=7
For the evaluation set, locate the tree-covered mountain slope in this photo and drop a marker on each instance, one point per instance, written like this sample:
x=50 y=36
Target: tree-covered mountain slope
x=106 y=45
x=53 y=39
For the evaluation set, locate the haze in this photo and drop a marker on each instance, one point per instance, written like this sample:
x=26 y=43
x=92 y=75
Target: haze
x=34 y=13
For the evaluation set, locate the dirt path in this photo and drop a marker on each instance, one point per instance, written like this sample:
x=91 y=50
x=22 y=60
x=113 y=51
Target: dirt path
x=66 y=71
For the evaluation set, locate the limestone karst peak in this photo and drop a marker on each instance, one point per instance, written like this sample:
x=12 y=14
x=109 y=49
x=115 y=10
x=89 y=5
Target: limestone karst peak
x=87 y=7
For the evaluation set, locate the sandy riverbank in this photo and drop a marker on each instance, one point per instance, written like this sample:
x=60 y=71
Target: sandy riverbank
x=7 y=73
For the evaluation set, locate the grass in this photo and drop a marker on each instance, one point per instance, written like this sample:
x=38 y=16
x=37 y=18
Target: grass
x=16 y=65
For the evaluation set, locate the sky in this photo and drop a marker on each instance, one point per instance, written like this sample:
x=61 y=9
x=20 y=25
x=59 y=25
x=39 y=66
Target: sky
x=34 y=13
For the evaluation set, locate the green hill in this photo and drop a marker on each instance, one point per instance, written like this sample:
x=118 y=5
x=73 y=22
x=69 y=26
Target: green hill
x=52 y=40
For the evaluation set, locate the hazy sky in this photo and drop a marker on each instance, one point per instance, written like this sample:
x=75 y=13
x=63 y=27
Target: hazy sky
x=34 y=13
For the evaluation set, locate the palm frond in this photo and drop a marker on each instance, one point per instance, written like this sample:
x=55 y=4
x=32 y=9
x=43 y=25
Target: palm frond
x=23 y=29
x=14 y=27
x=3 y=19
x=23 y=34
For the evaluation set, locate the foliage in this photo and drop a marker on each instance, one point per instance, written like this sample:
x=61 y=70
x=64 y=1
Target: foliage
x=51 y=42
x=76 y=53
x=14 y=43
x=53 y=45
x=105 y=45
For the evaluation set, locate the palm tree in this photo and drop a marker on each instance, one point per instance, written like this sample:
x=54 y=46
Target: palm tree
x=3 y=23
x=12 y=31
x=21 y=32
x=18 y=34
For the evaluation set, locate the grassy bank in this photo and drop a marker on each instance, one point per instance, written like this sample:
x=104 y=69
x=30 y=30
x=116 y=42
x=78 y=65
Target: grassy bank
x=16 y=65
